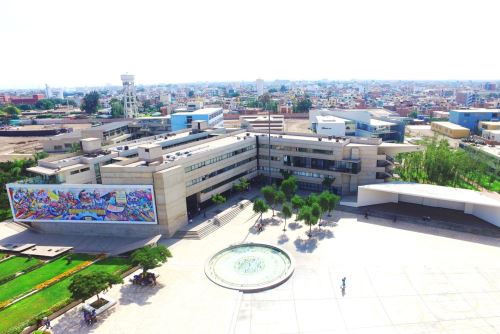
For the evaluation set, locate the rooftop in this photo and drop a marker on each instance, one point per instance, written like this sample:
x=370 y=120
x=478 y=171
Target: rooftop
x=204 y=111
x=476 y=110
x=436 y=192
x=450 y=125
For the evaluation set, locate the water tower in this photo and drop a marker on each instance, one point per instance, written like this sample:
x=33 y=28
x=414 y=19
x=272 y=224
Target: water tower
x=129 y=97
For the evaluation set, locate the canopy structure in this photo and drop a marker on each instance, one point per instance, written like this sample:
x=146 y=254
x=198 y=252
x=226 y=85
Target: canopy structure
x=471 y=202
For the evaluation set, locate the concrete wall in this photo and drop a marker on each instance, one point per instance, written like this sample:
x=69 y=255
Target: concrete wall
x=489 y=213
x=372 y=197
x=100 y=229
x=432 y=202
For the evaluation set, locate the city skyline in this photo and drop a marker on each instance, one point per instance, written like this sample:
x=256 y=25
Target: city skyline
x=89 y=44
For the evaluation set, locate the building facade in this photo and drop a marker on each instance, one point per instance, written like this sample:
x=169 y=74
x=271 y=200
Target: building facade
x=470 y=118
x=183 y=120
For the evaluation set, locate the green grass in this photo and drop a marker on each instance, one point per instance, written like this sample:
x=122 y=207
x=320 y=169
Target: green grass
x=52 y=297
x=16 y=264
x=27 y=282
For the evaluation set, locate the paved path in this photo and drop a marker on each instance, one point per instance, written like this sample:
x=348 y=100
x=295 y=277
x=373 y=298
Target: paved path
x=408 y=279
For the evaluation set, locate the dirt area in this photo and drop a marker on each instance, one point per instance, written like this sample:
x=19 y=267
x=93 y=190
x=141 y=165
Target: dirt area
x=297 y=125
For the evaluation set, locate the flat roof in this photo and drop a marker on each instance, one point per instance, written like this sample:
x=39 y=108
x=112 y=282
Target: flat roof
x=204 y=111
x=377 y=122
x=436 y=192
x=475 y=110
x=109 y=126
x=450 y=125
x=332 y=118
x=54 y=171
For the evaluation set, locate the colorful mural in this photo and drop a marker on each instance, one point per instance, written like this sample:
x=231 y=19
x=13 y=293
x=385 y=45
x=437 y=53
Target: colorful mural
x=85 y=203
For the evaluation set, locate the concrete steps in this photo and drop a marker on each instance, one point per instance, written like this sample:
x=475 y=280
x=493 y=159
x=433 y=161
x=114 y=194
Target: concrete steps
x=223 y=218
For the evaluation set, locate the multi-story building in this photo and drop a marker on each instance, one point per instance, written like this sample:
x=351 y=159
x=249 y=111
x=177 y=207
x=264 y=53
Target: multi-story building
x=183 y=120
x=184 y=175
x=470 y=118
x=262 y=122
x=259 y=85
x=334 y=126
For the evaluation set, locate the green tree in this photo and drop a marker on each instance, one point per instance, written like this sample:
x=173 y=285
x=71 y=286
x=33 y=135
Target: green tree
x=297 y=203
x=306 y=215
x=84 y=286
x=90 y=102
x=316 y=210
x=413 y=114
x=117 y=109
x=303 y=105
x=289 y=187
x=11 y=111
x=269 y=193
x=333 y=200
x=283 y=89
x=218 y=199
x=312 y=198
x=260 y=207
x=242 y=185
x=327 y=182
x=279 y=197
x=286 y=212
x=324 y=199
x=150 y=257
x=75 y=147
x=45 y=104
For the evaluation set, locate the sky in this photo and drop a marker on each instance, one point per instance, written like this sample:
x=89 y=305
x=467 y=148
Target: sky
x=91 y=42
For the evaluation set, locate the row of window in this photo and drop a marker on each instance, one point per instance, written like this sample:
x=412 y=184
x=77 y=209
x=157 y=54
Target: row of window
x=323 y=164
x=217 y=172
x=76 y=171
x=231 y=179
x=215 y=114
x=295 y=149
x=218 y=158
x=294 y=172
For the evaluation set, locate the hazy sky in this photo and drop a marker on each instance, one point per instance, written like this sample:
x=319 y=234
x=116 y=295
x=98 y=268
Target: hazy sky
x=76 y=42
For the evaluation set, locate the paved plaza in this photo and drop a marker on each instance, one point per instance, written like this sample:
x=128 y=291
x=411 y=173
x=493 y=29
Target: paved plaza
x=400 y=278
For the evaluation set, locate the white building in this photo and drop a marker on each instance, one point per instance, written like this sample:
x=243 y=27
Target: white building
x=261 y=122
x=259 y=83
x=335 y=126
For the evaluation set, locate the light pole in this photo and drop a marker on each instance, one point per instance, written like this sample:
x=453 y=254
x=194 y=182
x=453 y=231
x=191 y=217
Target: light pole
x=269 y=141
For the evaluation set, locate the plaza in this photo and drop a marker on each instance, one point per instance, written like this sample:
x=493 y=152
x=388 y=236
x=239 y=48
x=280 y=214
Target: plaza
x=401 y=278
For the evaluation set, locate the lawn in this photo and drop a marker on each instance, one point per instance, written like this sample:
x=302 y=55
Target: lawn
x=16 y=264
x=52 y=297
x=27 y=282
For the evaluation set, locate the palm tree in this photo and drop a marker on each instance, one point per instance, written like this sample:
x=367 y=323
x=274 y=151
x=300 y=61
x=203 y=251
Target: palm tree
x=269 y=193
x=259 y=206
x=332 y=203
x=286 y=212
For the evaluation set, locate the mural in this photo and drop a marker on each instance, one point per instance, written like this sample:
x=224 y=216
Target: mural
x=82 y=203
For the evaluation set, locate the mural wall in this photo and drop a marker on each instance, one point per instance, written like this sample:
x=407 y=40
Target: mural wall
x=91 y=203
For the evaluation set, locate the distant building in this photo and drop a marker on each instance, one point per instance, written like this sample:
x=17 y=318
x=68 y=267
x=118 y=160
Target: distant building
x=485 y=125
x=130 y=107
x=26 y=100
x=335 y=126
x=48 y=92
x=450 y=129
x=259 y=84
x=373 y=123
x=261 y=122
x=285 y=109
x=466 y=98
x=441 y=114
x=183 y=120
x=490 y=86
x=492 y=136
x=470 y=118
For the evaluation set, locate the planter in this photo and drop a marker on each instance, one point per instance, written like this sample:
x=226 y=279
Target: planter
x=104 y=304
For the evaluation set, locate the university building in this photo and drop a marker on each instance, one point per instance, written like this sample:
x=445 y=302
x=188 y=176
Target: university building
x=185 y=169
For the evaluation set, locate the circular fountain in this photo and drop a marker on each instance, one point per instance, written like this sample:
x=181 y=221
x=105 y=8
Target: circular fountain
x=250 y=267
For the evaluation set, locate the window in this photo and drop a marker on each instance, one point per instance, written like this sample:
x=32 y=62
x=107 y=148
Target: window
x=466 y=114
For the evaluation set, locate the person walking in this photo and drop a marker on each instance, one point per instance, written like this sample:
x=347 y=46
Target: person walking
x=343 y=282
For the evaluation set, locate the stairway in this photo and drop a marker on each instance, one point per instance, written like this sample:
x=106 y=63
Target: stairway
x=204 y=229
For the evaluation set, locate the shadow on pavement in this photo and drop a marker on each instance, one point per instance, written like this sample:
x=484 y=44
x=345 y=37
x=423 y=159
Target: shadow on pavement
x=306 y=245
x=294 y=226
x=283 y=239
x=137 y=294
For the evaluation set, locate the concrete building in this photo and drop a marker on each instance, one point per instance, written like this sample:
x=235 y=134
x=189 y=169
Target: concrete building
x=470 y=118
x=450 y=129
x=183 y=120
x=492 y=136
x=261 y=122
x=109 y=133
x=335 y=126
x=185 y=174
x=468 y=201
x=259 y=86
x=486 y=125
x=373 y=123
x=130 y=107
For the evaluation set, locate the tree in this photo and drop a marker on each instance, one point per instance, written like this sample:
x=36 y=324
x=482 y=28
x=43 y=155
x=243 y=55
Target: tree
x=332 y=203
x=279 y=197
x=242 y=185
x=75 y=147
x=150 y=257
x=259 y=206
x=269 y=193
x=11 y=111
x=324 y=199
x=316 y=210
x=90 y=102
x=283 y=89
x=303 y=105
x=327 y=182
x=45 y=104
x=312 y=198
x=297 y=202
x=289 y=187
x=413 y=114
x=218 y=199
x=84 y=286
x=286 y=212
x=117 y=109
x=306 y=215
